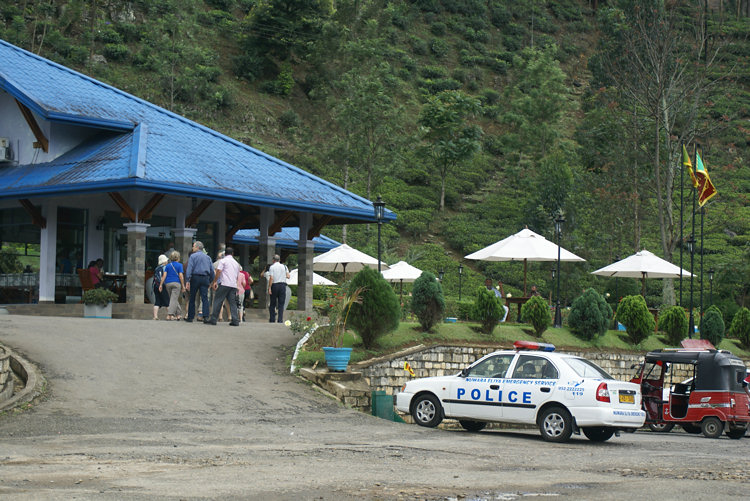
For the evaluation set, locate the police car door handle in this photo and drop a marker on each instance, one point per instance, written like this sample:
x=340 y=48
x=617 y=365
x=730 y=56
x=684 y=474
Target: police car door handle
x=545 y=389
x=494 y=387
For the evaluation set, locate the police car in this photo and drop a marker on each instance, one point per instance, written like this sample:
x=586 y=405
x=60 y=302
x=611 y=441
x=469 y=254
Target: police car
x=559 y=393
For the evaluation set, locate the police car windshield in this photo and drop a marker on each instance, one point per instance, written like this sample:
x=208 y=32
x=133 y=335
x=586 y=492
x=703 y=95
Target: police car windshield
x=584 y=368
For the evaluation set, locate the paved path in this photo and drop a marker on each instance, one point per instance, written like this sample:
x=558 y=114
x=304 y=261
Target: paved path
x=165 y=410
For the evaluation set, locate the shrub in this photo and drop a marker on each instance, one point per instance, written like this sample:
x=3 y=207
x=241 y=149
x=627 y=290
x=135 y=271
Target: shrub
x=740 y=328
x=590 y=315
x=488 y=309
x=9 y=262
x=378 y=312
x=427 y=301
x=674 y=323
x=634 y=315
x=289 y=119
x=438 y=29
x=439 y=48
x=712 y=326
x=535 y=311
x=101 y=297
x=116 y=51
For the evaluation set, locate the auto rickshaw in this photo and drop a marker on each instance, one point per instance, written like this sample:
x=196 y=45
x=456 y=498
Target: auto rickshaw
x=712 y=401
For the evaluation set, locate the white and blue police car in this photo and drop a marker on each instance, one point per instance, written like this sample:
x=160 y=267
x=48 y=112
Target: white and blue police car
x=559 y=393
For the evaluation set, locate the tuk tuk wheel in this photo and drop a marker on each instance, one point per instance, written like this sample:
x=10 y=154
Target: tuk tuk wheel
x=736 y=433
x=712 y=427
x=691 y=428
x=661 y=427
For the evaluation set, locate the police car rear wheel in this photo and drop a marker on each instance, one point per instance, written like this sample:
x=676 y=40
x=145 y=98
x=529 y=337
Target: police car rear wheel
x=427 y=411
x=555 y=424
x=712 y=427
x=661 y=427
x=472 y=425
x=598 y=433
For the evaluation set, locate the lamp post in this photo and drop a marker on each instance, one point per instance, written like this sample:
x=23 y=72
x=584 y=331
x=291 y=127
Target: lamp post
x=691 y=322
x=617 y=298
x=710 y=286
x=441 y=274
x=379 y=207
x=460 y=275
x=559 y=220
x=552 y=271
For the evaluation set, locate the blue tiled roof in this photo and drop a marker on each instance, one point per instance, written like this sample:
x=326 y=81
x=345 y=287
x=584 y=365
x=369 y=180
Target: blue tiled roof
x=285 y=239
x=154 y=150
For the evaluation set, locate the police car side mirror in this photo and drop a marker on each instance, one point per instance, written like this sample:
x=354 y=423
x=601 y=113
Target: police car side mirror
x=464 y=372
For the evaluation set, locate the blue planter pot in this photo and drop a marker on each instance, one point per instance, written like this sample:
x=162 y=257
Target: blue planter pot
x=337 y=359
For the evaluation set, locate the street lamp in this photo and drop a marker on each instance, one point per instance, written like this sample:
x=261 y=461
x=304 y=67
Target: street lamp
x=559 y=220
x=711 y=286
x=460 y=274
x=379 y=208
x=691 y=321
x=441 y=274
x=552 y=271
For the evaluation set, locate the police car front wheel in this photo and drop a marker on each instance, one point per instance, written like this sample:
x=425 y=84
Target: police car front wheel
x=555 y=424
x=472 y=425
x=427 y=411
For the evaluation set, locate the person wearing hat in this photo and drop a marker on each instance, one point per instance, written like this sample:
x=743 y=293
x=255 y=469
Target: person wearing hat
x=161 y=297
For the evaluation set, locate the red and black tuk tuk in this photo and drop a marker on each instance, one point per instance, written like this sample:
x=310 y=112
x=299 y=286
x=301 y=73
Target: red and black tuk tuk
x=711 y=399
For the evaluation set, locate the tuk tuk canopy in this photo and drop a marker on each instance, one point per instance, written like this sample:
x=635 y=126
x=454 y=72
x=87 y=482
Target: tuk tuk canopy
x=714 y=369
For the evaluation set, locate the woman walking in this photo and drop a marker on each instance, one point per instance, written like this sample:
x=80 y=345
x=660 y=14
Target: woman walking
x=174 y=281
x=161 y=297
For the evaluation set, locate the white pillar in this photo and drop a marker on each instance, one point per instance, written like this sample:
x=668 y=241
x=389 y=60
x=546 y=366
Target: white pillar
x=48 y=253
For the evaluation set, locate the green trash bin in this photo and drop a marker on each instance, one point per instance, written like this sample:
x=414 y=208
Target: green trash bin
x=382 y=406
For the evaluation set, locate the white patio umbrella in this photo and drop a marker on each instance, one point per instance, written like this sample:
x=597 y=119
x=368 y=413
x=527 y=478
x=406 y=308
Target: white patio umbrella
x=643 y=265
x=344 y=258
x=317 y=279
x=524 y=246
x=401 y=272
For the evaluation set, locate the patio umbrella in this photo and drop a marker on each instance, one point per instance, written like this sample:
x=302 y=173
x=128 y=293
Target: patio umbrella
x=317 y=279
x=343 y=258
x=523 y=246
x=643 y=265
x=401 y=272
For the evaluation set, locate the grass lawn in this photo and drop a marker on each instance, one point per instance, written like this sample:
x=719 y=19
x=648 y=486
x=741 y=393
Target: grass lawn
x=409 y=334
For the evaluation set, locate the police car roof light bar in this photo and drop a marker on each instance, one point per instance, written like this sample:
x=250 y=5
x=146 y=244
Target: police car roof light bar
x=533 y=345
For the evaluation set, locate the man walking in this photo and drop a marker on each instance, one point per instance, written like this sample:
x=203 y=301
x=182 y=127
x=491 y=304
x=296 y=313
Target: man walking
x=277 y=275
x=228 y=270
x=200 y=273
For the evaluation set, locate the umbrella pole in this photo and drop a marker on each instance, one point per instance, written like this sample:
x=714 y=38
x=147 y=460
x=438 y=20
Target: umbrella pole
x=643 y=284
x=525 y=264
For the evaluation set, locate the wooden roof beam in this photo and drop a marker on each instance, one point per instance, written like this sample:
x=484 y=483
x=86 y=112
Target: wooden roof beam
x=318 y=227
x=125 y=209
x=36 y=215
x=240 y=225
x=192 y=219
x=280 y=221
x=148 y=210
x=41 y=140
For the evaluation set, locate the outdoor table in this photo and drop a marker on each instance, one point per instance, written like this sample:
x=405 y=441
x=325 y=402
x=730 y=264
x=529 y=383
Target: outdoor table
x=516 y=300
x=118 y=281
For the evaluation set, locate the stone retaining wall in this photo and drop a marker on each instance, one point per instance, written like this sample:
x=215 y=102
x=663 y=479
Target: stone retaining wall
x=6 y=376
x=388 y=374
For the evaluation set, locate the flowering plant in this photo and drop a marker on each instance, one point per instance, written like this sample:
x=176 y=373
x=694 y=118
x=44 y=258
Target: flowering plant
x=302 y=322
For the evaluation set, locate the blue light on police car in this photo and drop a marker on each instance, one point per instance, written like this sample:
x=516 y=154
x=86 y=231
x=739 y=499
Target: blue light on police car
x=533 y=345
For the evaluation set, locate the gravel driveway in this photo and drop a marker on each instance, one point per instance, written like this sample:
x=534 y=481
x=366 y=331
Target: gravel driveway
x=166 y=410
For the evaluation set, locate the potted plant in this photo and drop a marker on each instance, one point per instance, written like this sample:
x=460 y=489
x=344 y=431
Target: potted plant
x=339 y=305
x=97 y=303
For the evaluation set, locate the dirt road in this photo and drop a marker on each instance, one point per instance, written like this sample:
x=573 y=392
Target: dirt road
x=168 y=410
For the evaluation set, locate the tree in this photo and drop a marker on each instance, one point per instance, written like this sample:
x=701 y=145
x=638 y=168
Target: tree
x=427 y=302
x=488 y=309
x=590 y=315
x=674 y=323
x=634 y=315
x=536 y=312
x=656 y=55
x=712 y=326
x=451 y=140
x=378 y=310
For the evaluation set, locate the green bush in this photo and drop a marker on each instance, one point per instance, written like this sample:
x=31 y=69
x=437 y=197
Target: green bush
x=116 y=51
x=634 y=315
x=712 y=326
x=590 y=315
x=438 y=29
x=740 y=328
x=536 y=312
x=427 y=301
x=102 y=297
x=488 y=309
x=9 y=262
x=439 y=48
x=674 y=323
x=378 y=312
x=289 y=119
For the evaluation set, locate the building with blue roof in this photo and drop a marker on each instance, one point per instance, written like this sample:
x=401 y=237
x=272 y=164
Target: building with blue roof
x=88 y=171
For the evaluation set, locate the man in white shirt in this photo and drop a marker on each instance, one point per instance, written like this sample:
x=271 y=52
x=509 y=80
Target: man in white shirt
x=277 y=275
x=227 y=271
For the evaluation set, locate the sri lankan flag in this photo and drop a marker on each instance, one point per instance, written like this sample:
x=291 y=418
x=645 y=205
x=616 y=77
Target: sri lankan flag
x=686 y=162
x=408 y=369
x=705 y=187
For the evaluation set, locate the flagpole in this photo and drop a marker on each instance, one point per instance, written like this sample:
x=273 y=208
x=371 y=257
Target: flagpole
x=703 y=210
x=682 y=208
x=691 y=320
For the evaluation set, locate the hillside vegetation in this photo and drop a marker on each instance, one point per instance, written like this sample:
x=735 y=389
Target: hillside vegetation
x=472 y=119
